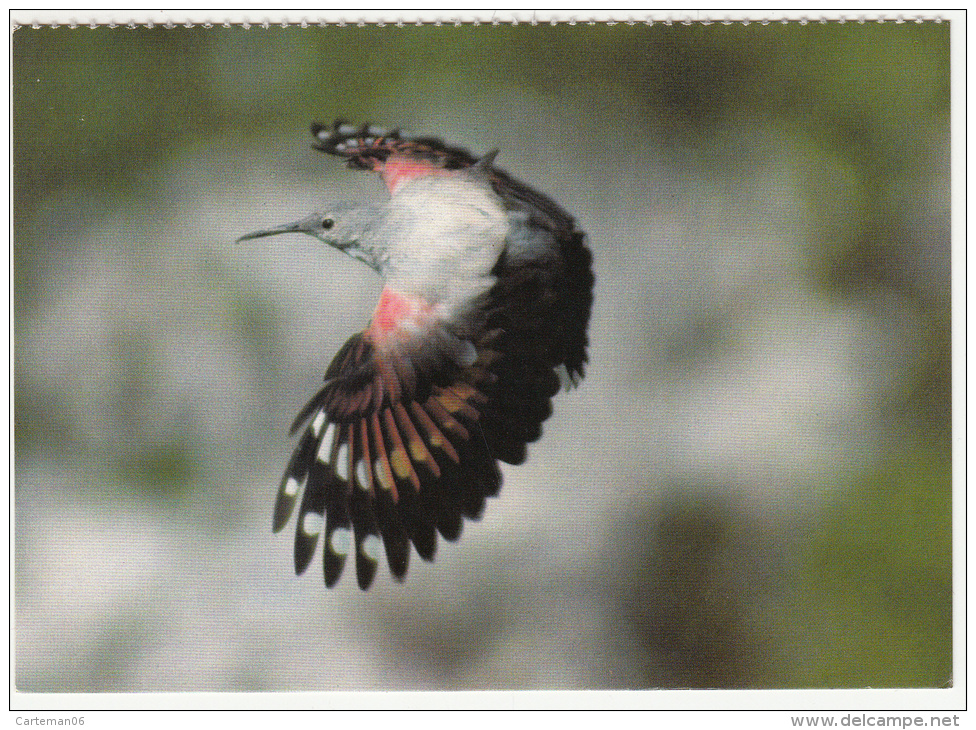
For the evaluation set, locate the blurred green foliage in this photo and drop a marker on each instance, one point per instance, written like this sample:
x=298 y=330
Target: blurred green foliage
x=874 y=605
x=93 y=104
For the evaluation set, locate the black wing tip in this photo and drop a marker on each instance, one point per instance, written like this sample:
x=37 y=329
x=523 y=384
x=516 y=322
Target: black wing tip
x=450 y=527
x=280 y=519
x=399 y=572
x=332 y=568
x=425 y=543
x=397 y=551
x=304 y=550
x=365 y=572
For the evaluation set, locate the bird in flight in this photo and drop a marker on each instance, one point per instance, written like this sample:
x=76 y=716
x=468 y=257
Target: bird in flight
x=487 y=291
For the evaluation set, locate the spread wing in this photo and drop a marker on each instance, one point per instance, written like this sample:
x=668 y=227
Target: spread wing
x=398 y=447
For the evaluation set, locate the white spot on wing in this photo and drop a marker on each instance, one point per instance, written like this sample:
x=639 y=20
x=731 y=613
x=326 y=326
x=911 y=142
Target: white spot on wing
x=371 y=547
x=341 y=541
x=468 y=353
x=317 y=423
x=342 y=463
x=325 y=447
x=291 y=486
x=312 y=524
x=361 y=477
x=381 y=475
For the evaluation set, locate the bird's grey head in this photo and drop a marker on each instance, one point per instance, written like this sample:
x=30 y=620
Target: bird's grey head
x=344 y=227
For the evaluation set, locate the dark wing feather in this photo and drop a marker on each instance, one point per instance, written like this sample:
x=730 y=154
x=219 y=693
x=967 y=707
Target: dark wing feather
x=396 y=463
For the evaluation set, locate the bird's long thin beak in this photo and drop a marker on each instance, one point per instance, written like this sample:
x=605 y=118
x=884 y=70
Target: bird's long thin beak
x=301 y=226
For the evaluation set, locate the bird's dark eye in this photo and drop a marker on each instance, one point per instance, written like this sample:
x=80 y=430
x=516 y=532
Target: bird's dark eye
x=327 y=223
